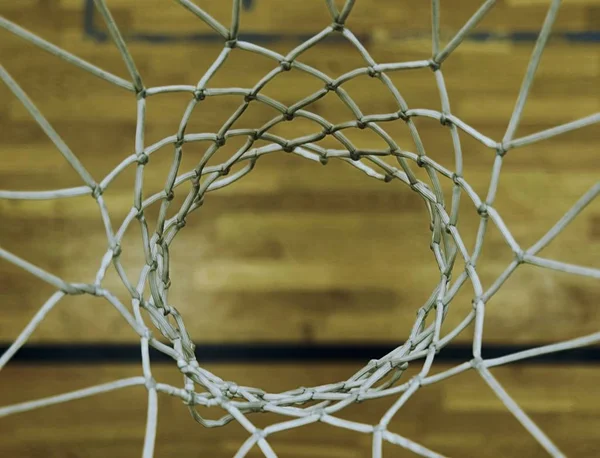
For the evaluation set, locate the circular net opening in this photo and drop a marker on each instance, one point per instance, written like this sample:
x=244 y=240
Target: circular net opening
x=213 y=401
x=379 y=377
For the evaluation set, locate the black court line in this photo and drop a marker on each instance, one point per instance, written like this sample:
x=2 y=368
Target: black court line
x=275 y=353
x=526 y=36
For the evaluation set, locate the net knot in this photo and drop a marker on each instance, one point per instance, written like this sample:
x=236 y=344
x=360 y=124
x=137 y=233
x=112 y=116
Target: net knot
x=139 y=214
x=220 y=141
x=338 y=27
x=288 y=148
x=482 y=210
x=310 y=392
x=231 y=43
x=387 y=178
x=444 y=121
x=358 y=397
x=402 y=115
x=83 y=288
x=286 y=65
x=355 y=155
x=97 y=192
x=142 y=159
x=288 y=115
x=224 y=171
x=153 y=265
x=520 y=257
x=199 y=95
x=373 y=73
x=116 y=250
x=183 y=366
x=179 y=141
x=146 y=333
x=249 y=98
x=476 y=362
x=331 y=86
x=420 y=162
x=170 y=196
x=180 y=223
x=476 y=301
x=260 y=433
x=150 y=383
x=199 y=201
x=141 y=94
x=323 y=159
x=188 y=398
x=435 y=66
x=230 y=389
x=361 y=123
x=501 y=149
x=456 y=178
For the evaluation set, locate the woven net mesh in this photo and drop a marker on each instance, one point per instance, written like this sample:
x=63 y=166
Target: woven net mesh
x=226 y=401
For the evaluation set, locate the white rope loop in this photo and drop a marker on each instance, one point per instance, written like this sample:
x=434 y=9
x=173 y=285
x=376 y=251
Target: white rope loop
x=379 y=377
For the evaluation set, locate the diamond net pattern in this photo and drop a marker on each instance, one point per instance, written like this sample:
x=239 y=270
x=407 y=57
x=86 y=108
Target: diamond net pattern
x=383 y=377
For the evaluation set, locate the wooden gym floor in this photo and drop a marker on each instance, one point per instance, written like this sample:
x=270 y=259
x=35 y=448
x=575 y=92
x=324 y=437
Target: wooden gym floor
x=298 y=253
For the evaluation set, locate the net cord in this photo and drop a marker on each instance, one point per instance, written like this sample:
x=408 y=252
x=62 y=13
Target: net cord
x=424 y=342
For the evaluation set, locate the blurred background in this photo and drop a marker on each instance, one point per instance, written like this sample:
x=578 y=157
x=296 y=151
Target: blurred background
x=298 y=274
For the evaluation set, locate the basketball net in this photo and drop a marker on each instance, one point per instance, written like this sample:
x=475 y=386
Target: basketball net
x=220 y=401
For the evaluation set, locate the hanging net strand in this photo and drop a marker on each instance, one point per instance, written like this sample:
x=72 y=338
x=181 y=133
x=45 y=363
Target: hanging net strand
x=384 y=377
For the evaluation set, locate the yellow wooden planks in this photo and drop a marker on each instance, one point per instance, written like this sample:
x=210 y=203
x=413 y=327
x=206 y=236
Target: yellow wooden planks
x=458 y=417
x=297 y=251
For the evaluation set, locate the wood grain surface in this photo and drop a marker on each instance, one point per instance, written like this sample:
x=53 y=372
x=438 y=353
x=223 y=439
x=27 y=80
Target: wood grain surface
x=459 y=418
x=298 y=252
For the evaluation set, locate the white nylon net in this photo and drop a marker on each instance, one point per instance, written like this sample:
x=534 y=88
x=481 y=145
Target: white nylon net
x=383 y=377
